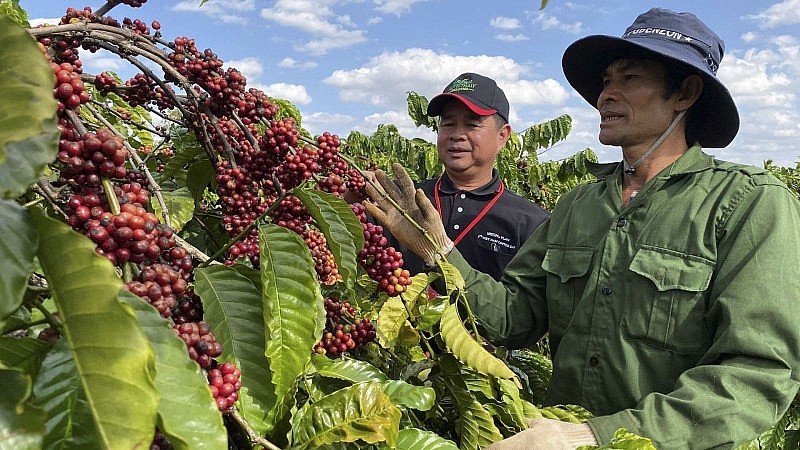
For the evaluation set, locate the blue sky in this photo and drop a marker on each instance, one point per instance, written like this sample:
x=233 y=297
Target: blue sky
x=347 y=64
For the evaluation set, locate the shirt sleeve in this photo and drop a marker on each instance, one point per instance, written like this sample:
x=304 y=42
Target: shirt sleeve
x=748 y=377
x=513 y=311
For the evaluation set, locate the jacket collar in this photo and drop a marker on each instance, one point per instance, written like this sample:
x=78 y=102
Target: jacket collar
x=694 y=160
x=447 y=186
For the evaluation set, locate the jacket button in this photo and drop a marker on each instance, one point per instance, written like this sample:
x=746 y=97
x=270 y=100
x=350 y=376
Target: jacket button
x=594 y=361
x=622 y=222
x=606 y=290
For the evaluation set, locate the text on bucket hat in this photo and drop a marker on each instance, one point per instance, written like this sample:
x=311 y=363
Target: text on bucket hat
x=680 y=37
x=479 y=93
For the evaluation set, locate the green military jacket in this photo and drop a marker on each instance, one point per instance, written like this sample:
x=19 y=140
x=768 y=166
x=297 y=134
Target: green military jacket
x=676 y=316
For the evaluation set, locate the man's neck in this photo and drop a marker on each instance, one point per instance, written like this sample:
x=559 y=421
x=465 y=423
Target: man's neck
x=667 y=153
x=468 y=182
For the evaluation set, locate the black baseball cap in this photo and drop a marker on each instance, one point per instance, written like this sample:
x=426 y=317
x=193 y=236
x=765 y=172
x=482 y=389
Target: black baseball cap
x=479 y=93
x=679 y=37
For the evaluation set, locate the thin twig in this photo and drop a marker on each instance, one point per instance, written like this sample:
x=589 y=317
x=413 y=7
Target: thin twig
x=46 y=190
x=251 y=434
x=136 y=124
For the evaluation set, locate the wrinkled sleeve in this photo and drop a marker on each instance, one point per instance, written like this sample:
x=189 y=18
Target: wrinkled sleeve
x=749 y=376
x=513 y=311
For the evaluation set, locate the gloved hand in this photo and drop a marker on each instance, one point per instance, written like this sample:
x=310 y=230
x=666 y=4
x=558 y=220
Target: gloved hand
x=548 y=434
x=417 y=206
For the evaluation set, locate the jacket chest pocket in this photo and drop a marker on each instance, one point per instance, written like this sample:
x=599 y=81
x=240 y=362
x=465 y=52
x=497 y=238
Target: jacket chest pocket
x=567 y=268
x=669 y=312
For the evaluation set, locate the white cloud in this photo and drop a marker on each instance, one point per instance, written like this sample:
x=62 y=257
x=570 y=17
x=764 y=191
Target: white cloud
x=387 y=78
x=225 y=11
x=102 y=61
x=317 y=19
x=749 y=37
x=396 y=7
x=295 y=93
x=505 y=23
x=292 y=63
x=400 y=119
x=374 y=20
x=511 y=37
x=336 y=123
x=527 y=92
x=756 y=79
x=250 y=67
x=550 y=22
x=786 y=12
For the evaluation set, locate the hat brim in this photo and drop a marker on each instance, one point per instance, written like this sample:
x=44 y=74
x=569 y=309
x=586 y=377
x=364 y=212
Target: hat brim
x=586 y=59
x=436 y=105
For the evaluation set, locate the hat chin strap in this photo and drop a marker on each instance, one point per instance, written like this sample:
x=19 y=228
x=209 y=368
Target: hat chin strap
x=630 y=169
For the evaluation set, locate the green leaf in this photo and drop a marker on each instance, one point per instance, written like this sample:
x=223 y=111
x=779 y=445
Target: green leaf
x=404 y=394
x=20 y=422
x=623 y=440
x=25 y=354
x=113 y=358
x=341 y=228
x=476 y=426
x=361 y=411
x=69 y=423
x=466 y=349
x=293 y=308
x=431 y=312
x=351 y=370
x=453 y=279
x=200 y=175
x=180 y=205
x=187 y=149
x=286 y=109
x=12 y=10
x=416 y=439
x=232 y=306
x=391 y=319
x=418 y=110
x=18 y=245
x=510 y=408
x=28 y=127
x=180 y=383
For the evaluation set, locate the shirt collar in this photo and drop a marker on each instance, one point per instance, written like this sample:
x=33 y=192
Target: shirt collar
x=447 y=186
x=694 y=160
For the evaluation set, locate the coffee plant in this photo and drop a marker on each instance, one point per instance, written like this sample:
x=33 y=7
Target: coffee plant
x=187 y=267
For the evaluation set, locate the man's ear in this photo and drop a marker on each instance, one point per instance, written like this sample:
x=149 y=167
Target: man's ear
x=691 y=88
x=503 y=134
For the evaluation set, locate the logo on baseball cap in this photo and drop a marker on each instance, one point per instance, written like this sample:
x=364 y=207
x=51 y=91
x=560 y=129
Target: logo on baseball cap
x=479 y=93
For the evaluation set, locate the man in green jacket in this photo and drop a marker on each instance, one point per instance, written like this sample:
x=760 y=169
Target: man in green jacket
x=670 y=287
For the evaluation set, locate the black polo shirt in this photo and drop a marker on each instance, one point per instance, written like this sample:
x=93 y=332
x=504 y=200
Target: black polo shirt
x=495 y=238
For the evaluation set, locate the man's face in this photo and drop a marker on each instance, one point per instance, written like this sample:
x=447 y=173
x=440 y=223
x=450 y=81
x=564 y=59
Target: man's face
x=633 y=110
x=468 y=143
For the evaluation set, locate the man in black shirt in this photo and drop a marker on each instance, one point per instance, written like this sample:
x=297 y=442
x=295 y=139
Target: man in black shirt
x=486 y=221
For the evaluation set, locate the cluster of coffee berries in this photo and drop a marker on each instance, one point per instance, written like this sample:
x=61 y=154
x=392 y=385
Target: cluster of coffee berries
x=136 y=25
x=161 y=285
x=225 y=384
x=96 y=155
x=200 y=342
x=324 y=262
x=104 y=82
x=344 y=332
x=382 y=263
x=69 y=88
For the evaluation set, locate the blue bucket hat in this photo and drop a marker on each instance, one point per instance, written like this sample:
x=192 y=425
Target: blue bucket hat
x=679 y=37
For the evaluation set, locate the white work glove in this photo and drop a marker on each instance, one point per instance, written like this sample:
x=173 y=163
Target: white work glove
x=417 y=206
x=548 y=434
